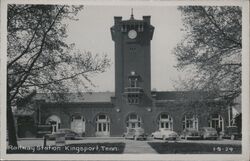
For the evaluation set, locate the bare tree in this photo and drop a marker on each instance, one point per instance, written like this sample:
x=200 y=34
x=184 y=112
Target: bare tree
x=39 y=57
x=211 y=48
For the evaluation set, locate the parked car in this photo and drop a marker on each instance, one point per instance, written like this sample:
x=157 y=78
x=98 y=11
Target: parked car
x=68 y=133
x=136 y=133
x=165 y=134
x=231 y=132
x=190 y=133
x=208 y=133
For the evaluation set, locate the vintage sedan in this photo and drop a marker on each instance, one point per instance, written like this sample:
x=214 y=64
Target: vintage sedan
x=231 y=132
x=208 y=133
x=165 y=134
x=135 y=133
x=68 y=134
x=190 y=133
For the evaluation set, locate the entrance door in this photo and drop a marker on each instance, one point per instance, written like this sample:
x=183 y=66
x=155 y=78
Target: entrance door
x=55 y=122
x=102 y=125
x=133 y=121
x=78 y=124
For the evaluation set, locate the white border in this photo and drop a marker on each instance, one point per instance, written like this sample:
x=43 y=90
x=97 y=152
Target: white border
x=208 y=157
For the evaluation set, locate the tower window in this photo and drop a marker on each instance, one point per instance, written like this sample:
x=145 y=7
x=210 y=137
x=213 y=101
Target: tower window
x=132 y=50
x=133 y=82
x=133 y=99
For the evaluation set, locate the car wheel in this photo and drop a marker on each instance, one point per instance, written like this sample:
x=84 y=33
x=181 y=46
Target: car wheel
x=232 y=137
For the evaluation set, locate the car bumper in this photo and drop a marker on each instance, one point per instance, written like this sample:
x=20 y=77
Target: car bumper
x=141 y=136
x=172 y=138
x=211 y=136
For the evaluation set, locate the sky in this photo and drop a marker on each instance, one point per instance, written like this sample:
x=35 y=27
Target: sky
x=92 y=33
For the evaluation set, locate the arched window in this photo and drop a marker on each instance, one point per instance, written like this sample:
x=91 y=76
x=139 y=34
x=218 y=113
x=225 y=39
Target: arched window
x=133 y=121
x=190 y=121
x=55 y=121
x=216 y=121
x=165 y=121
x=102 y=125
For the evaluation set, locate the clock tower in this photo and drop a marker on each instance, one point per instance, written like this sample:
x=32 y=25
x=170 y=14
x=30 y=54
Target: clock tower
x=132 y=58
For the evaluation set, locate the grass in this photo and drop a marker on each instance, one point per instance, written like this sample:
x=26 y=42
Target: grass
x=85 y=148
x=194 y=148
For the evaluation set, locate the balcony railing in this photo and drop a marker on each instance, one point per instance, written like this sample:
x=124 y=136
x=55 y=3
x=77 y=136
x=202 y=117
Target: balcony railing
x=133 y=90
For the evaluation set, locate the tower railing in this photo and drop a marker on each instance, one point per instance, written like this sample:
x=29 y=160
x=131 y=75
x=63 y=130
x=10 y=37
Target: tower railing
x=133 y=90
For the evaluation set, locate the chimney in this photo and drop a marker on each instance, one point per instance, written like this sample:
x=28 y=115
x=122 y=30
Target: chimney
x=117 y=19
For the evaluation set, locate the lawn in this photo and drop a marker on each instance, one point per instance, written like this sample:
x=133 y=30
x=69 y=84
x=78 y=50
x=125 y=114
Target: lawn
x=84 y=148
x=194 y=148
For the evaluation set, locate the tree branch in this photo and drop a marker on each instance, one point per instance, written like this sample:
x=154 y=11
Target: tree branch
x=35 y=59
x=212 y=20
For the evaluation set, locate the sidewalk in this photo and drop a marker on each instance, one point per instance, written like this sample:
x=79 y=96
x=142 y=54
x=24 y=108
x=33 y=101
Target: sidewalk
x=138 y=147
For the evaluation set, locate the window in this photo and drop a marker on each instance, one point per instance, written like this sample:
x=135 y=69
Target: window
x=102 y=125
x=102 y=117
x=133 y=99
x=164 y=116
x=216 y=121
x=132 y=50
x=165 y=122
x=99 y=127
x=124 y=28
x=190 y=122
x=133 y=82
x=133 y=116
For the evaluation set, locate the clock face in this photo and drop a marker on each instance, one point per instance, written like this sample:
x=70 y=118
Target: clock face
x=132 y=34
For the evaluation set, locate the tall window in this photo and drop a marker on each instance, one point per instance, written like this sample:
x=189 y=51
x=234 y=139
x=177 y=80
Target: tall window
x=133 y=99
x=165 y=121
x=216 y=121
x=190 y=121
x=102 y=125
x=132 y=50
x=133 y=82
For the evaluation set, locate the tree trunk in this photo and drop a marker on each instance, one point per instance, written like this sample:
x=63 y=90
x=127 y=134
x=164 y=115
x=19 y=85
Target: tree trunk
x=11 y=125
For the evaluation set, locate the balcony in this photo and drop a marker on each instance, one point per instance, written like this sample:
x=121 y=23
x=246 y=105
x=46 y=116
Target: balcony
x=133 y=90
